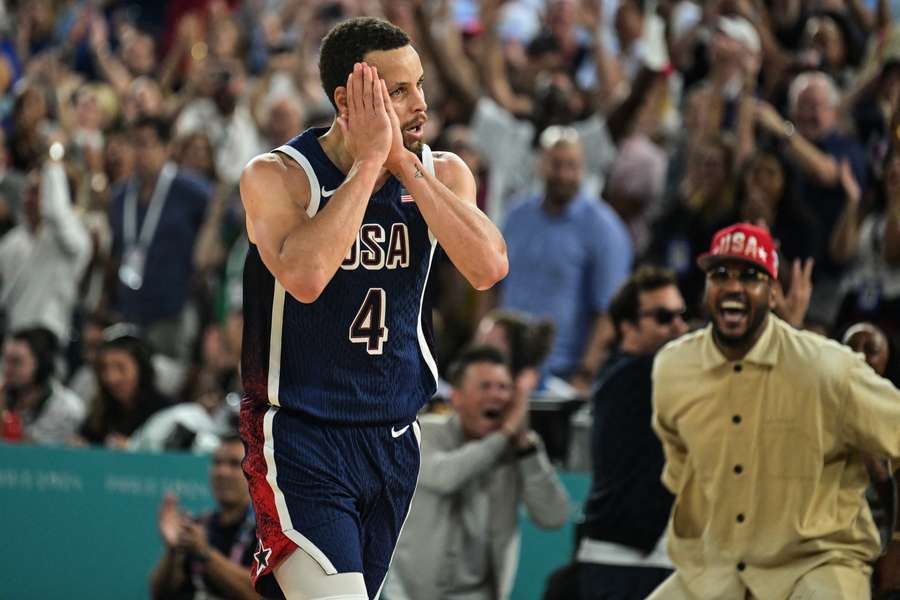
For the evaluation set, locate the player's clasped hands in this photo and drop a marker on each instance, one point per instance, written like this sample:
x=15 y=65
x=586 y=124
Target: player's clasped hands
x=366 y=124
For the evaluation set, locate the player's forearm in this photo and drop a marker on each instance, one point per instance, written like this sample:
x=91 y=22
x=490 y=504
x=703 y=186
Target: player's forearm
x=313 y=251
x=229 y=576
x=168 y=576
x=471 y=240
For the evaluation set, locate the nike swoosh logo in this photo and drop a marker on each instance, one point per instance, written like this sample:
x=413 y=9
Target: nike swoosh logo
x=326 y=193
x=397 y=433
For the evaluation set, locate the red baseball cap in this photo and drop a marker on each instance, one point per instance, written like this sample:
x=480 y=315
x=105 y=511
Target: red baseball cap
x=745 y=242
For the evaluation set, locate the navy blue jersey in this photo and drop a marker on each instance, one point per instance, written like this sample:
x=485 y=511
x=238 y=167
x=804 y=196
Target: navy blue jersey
x=361 y=353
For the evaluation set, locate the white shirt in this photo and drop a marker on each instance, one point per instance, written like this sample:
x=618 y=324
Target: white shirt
x=40 y=270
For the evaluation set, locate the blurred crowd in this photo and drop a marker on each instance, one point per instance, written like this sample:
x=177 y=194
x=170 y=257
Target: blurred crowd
x=604 y=134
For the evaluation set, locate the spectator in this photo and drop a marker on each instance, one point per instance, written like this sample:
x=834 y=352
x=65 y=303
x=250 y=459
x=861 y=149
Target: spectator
x=478 y=466
x=879 y=351
x=209 y=556
x=623 y=552
x=869 y=246
x=763 y=427
x=705 y=202
x=49 y=413
x=568 y=251
x=155 y=220
x=226 y=118
x=42 y=259
x=128 y=395
x=765 y=194
x=818 y=149
x=874 y=345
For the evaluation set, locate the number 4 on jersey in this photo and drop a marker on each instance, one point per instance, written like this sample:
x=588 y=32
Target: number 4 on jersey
x=368 y=327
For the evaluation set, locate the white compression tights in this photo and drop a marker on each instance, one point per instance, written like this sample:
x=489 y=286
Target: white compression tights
x=301 y=578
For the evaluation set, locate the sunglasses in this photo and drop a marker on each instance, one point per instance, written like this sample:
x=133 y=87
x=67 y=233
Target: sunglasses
x=663 y=316
x=746 y=275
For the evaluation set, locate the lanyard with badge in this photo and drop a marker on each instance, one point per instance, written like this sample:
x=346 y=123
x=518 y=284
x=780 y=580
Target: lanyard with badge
x=136 y=245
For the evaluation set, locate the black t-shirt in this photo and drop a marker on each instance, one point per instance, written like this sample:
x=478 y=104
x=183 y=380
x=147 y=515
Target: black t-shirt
x=627 y=503
x=235 y=541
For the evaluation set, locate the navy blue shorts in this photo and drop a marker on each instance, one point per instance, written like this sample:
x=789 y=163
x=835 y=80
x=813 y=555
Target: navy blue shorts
x=339 y=493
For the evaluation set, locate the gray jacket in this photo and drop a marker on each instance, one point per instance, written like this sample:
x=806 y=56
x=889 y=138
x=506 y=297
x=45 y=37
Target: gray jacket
x=461 y=539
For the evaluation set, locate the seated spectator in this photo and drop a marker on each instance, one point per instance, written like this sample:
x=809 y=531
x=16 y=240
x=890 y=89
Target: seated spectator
x=210 y=556
x=478 y=465
x=170 y=374
x=623 y=553
x=47 y=411
x=128 y=395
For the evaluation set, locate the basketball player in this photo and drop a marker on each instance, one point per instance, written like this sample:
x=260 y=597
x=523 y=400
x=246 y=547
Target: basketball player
x=343 y=225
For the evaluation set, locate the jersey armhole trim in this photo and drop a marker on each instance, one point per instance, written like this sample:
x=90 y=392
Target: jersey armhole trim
x=314 y=193
x=428 y=161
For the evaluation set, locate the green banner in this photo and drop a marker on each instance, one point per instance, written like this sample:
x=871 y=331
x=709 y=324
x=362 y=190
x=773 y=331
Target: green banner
x=81 y=523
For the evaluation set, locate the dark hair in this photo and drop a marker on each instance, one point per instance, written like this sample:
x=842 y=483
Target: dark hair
x=472 y=355
x=529 y=341
x=43 y=346
x=348 y=43
x=140 y=352
x=107 y=414
x=161 y=126
x=625 y=302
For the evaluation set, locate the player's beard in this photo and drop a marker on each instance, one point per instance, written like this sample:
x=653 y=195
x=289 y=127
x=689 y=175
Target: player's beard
x=414 y=146
x=756 y=319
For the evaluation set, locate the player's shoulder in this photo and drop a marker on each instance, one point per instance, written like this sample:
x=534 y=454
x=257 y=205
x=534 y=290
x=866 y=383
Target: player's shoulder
x=271 y=171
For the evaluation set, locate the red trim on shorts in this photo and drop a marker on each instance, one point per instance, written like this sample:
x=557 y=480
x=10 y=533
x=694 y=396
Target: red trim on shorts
x=272 y=545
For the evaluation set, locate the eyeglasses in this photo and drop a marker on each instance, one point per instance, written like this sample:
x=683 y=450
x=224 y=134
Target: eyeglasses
x=663 y=316
x=746 y=275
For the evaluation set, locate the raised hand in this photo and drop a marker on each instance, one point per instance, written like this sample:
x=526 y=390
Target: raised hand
x=365 y=122
x=170 y=520
x=793 y=306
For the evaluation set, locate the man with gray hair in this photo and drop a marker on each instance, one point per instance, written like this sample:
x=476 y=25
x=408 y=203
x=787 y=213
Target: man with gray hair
x=830 y=164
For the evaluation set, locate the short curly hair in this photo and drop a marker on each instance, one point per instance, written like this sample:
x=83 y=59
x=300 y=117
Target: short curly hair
x=348 y=42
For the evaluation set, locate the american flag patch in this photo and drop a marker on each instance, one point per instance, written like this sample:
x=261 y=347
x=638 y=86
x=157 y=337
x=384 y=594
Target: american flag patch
x=405 y=196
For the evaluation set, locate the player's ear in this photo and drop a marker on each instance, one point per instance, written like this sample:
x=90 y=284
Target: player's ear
x=340 y=99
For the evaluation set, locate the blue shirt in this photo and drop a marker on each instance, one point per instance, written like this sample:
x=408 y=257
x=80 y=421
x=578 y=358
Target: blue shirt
x=565 y=267
x=170 y=258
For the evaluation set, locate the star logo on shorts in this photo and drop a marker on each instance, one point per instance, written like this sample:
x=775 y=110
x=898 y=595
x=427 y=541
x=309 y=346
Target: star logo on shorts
x=262 y=555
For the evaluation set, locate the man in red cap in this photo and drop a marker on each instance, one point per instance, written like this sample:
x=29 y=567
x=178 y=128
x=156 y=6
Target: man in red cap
x=763 y=428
